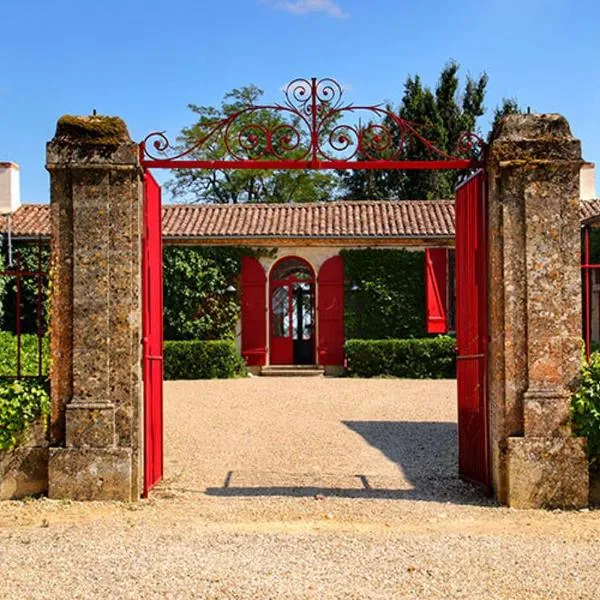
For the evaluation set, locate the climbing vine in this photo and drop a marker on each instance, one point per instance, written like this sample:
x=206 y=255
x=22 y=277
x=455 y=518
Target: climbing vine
x=385 y=294
x=202 y=295
x=21 y=403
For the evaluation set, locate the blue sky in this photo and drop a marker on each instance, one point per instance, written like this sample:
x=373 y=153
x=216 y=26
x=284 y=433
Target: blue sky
x=145 y=60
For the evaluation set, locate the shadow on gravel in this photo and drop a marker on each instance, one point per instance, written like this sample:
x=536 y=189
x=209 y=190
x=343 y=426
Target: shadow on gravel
x=425 y=452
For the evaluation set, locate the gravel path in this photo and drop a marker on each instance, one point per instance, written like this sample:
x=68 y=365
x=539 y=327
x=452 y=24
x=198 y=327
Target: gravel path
x=307 y=488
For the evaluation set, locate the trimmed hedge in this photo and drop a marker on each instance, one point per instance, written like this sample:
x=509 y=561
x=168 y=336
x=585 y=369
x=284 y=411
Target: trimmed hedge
x=428 y=358
x=202 y=359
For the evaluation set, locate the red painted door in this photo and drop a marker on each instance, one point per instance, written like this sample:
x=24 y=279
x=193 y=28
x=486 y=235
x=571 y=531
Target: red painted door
x=471 y=329
x=331 y=312
x=254 y=317
x=436 y=265
x=152 y=327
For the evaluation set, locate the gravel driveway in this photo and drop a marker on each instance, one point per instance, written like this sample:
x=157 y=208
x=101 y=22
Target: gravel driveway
x=301 y=488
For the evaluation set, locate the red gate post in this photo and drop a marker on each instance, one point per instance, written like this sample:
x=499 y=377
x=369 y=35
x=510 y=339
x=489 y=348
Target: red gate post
x=96 y=202
x=535 y=313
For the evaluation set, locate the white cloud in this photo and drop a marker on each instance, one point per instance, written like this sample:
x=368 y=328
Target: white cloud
x=301 y=7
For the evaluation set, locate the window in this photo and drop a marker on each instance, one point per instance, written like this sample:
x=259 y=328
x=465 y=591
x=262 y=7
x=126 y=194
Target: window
x=291 y=268
x=281 y=311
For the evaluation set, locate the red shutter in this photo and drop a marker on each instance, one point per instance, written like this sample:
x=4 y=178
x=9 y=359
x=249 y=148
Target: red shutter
x=436 y=264
x=331 y=312
x=254 y=312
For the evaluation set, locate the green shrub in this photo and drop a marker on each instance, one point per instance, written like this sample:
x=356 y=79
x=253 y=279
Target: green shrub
x=21 y=403
x=390 y=300
x=585 y=407
x=201 y=359
x=429 y=358
x=29 y=354
x=196 y=303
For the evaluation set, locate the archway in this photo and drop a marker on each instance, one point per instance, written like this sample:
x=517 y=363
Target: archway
x=292 y=312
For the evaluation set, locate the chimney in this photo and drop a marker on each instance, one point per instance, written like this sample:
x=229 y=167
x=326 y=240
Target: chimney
x=587 y=182
x=10 y=188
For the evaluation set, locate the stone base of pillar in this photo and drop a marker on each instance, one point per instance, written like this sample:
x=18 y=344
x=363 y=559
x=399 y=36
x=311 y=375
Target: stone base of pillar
x=90 y=424
x=547 y=413
x=90 y=474
x=549 y=472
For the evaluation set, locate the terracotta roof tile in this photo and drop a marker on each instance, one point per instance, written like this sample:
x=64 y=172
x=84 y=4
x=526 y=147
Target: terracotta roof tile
x=361 y=219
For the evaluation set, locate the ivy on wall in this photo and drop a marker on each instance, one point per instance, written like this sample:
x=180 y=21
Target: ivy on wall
x=197 y=304
x=202 y=293
x=384 y=293
x=21 y=403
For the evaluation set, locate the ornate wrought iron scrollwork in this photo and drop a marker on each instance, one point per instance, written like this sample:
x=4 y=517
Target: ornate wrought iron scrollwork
x=307 y=130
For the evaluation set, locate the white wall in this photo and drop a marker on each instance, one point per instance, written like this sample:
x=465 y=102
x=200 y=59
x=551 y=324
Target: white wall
x=10 y=189
x=587 y=182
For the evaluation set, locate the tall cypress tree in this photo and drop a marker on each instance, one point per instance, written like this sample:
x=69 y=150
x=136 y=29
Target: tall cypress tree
x=441 y=116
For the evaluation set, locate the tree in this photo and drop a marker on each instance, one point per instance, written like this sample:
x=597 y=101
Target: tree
x=509 y=106
x=441 y=116
x=237 y=186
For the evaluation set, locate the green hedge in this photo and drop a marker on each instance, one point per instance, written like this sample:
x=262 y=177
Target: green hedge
x=29 y=354
x=429 y=358
x=390 y=300
x=585 y=407
x=202 y=359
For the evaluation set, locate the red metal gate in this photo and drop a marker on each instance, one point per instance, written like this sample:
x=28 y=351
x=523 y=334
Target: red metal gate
x=471 y=329
x=152 y=323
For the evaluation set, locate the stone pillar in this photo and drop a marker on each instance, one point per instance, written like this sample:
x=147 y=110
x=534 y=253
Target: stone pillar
x=96 y=204
x=535 y=313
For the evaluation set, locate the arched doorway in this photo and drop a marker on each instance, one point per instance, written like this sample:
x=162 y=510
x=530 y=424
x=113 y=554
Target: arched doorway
x=292 y=312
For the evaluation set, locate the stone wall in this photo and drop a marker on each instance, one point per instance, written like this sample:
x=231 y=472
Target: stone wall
x=535 y=312
x=24 y=469
x=96 y=201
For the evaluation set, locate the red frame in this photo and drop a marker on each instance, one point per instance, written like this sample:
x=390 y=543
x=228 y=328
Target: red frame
x=281 y=349
x=311 y=138
x=472 y=330
x=152 y=326
x=587 y=269
x=307 y=134
x=40 y=276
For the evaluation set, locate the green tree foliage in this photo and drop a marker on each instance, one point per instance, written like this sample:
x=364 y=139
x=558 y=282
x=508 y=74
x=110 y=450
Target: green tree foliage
x=509 y=106
x=197 y=305
x=238 y=186
x=441 y=115
x=390 y=299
